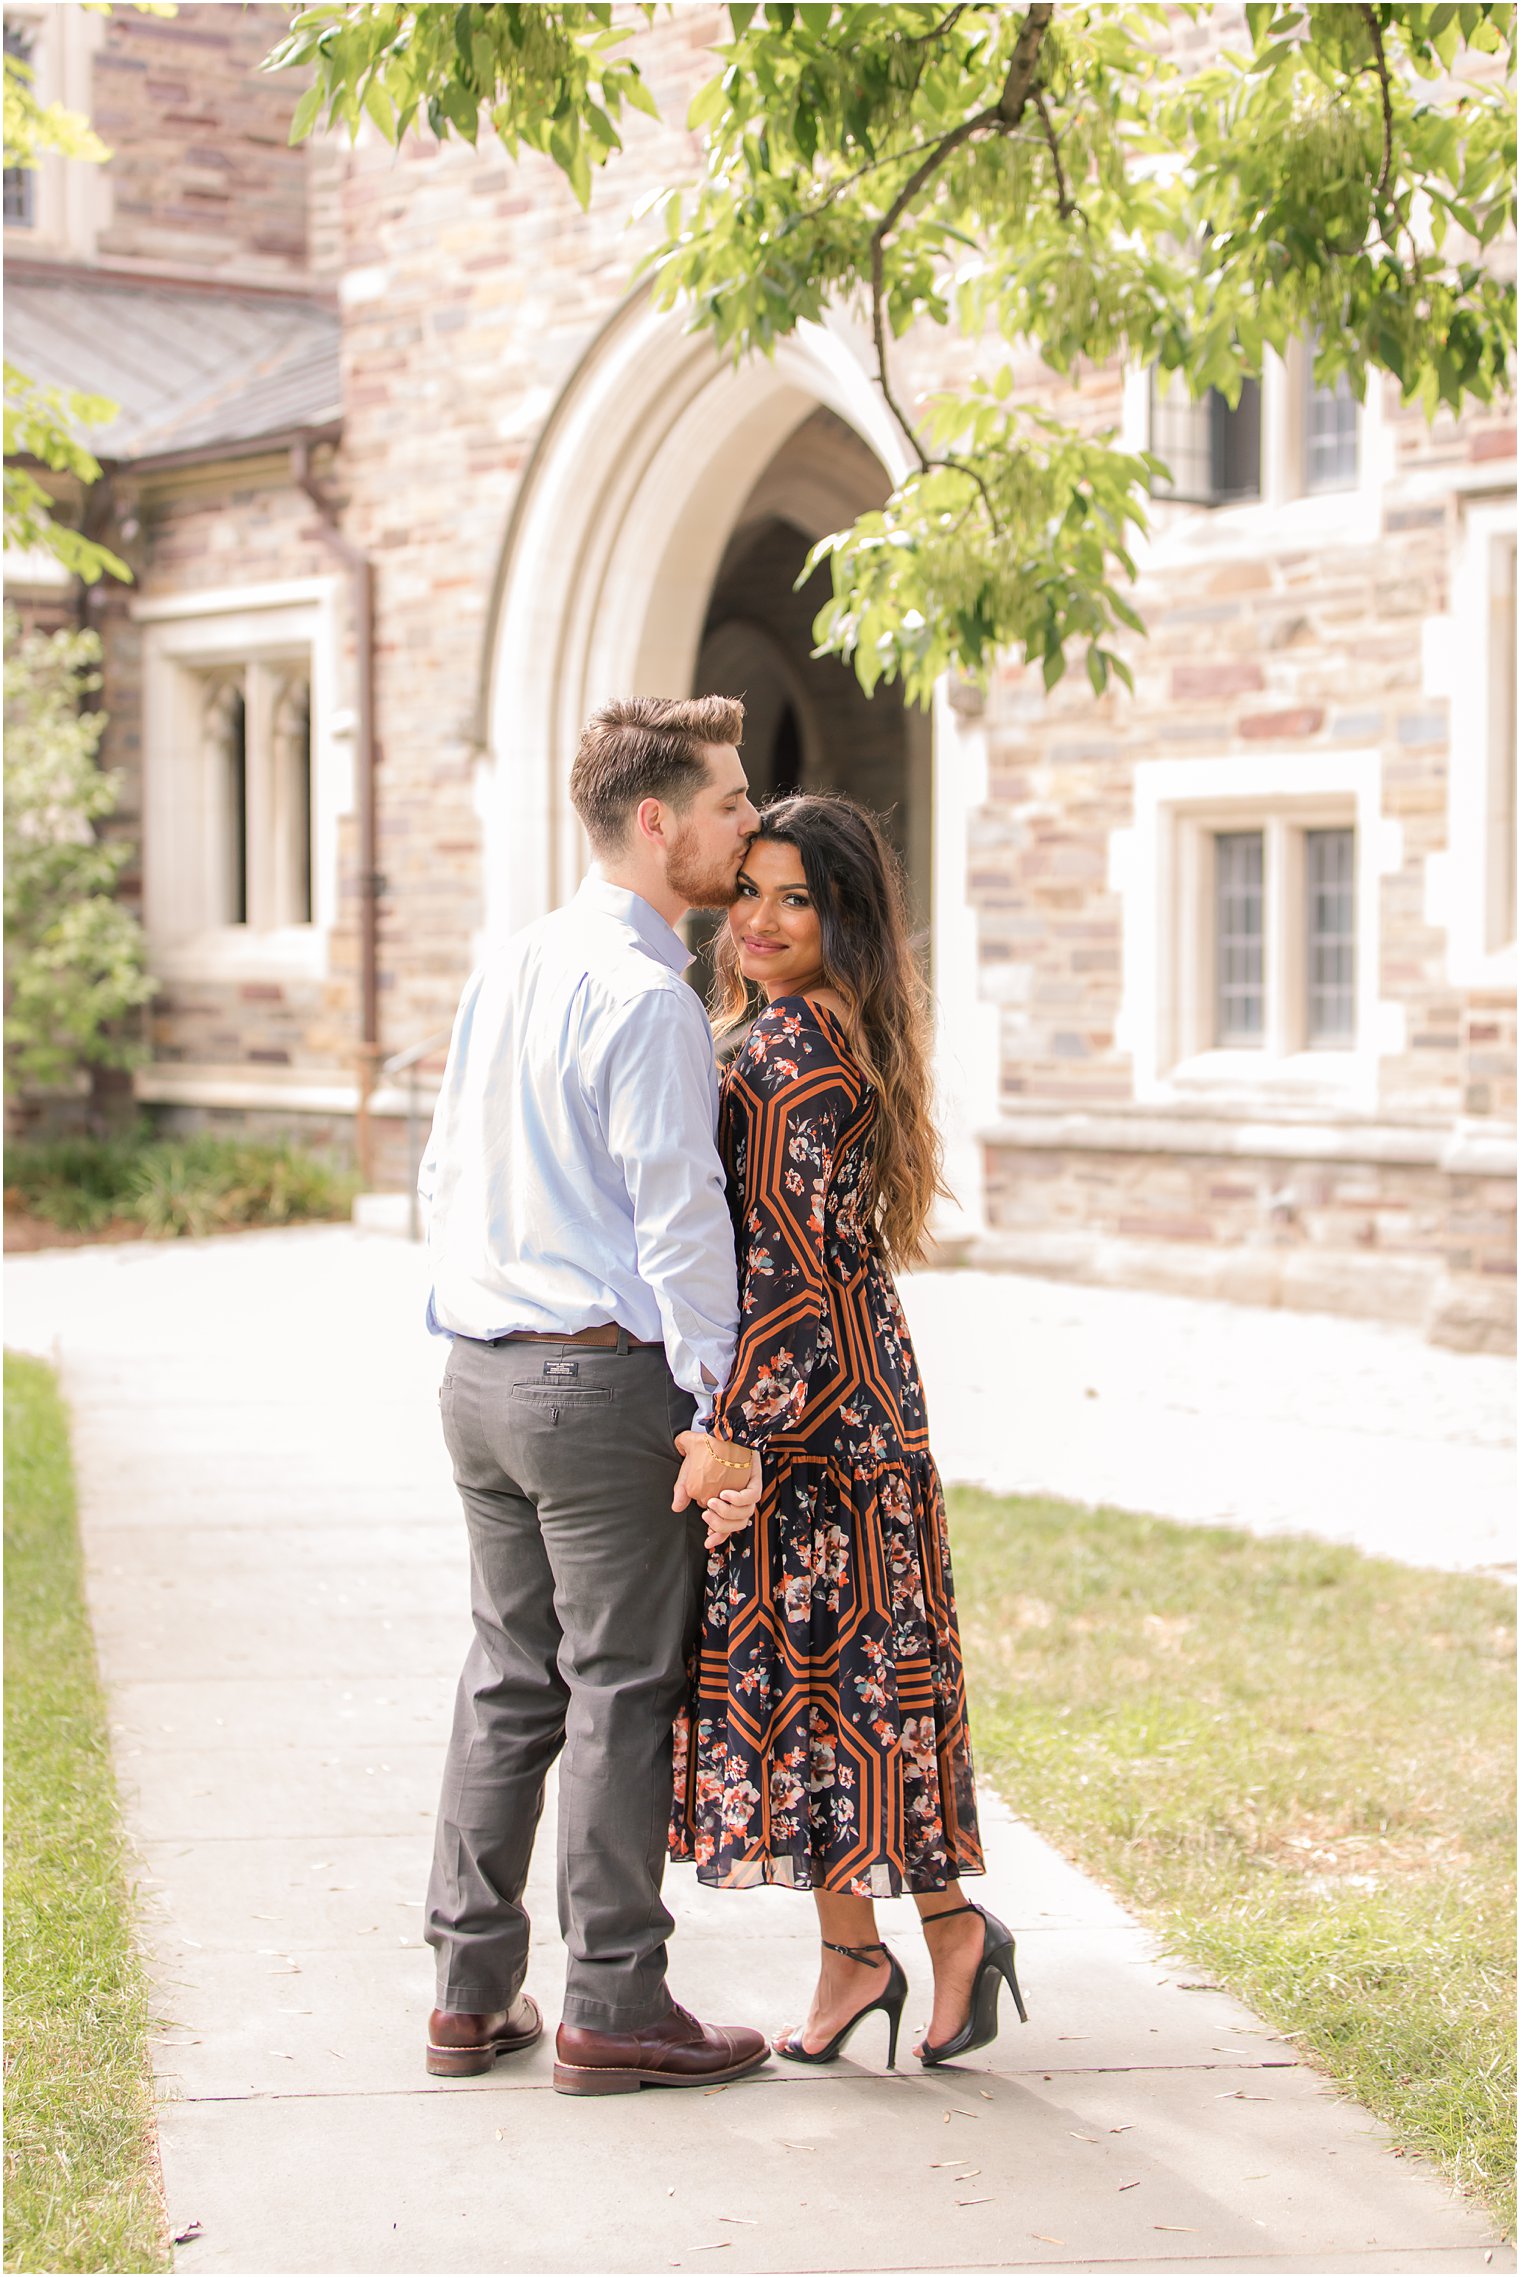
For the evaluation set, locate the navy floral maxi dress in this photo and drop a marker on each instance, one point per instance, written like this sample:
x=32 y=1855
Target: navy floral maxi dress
x=826 y=1743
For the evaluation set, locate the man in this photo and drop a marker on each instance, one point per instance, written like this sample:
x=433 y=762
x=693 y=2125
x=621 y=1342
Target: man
x=583 y=1262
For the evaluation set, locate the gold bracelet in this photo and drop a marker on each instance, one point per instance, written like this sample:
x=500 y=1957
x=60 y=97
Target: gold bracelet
x=722 y=1466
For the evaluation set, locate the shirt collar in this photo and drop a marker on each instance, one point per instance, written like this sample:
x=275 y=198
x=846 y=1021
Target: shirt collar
x=632 y=910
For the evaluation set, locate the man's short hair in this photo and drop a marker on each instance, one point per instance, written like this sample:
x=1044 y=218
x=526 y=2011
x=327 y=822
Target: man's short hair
x=646 y=747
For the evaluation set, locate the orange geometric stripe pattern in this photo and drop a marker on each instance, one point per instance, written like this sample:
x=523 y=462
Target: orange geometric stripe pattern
x=827 y=1744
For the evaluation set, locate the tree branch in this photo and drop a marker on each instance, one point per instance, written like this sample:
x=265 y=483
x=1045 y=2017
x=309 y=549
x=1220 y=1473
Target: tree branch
x=1375 y=34
x=921 y=174
x=805 y=214
x=1020 y=80
x=1002 y=116
x=1066 y=205
x=947 y=24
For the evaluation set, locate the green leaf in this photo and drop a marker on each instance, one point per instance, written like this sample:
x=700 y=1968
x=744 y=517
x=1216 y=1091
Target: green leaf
x=380 y=108
x=635 y=90
x=1229 y=208
x=601 y=129
x=707 y=106
x=306 y=113
x=462 y=109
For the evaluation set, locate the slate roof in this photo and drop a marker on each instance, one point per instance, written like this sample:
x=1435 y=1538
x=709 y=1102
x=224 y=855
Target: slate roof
x=191 y=369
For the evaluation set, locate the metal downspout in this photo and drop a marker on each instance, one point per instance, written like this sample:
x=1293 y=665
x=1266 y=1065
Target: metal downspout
x=363 y=575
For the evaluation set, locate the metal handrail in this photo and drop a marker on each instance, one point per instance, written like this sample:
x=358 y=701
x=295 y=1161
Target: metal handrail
x=399 y=1062
x=406 y=1063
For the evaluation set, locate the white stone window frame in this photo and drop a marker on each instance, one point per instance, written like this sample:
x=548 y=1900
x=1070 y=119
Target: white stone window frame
x=1462 y=665
x=187 y=641
x=71 y=201
x=1287 y=513
x=1161 y=870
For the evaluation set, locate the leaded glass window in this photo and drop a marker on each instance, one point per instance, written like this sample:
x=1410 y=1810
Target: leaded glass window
x=1330 y=908
x=1239 y=937
x=1502 y=817
x=20 y=181
x=1329 y=432
x=1212 y=449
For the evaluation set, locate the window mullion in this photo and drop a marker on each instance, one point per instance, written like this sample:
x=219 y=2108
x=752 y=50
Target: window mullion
x=1280 y=428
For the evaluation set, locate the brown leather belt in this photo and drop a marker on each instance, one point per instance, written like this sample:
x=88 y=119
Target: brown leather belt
x=603 y=1337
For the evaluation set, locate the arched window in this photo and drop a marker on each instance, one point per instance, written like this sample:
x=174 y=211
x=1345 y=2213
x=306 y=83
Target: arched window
x=256 y=758
x=291 y=804
x=224 y=746
x=244 y=781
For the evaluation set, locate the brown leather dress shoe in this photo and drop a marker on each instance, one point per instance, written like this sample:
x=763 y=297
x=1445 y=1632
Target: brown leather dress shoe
x=674 y=2051
x=460 y=2045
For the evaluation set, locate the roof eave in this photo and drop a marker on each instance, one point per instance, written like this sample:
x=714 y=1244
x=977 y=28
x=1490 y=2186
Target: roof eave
x=226 y=454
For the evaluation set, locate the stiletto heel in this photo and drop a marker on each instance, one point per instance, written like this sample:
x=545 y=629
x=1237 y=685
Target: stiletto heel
x=889 y=2000
x=995 y=1968
x=1011 y=1976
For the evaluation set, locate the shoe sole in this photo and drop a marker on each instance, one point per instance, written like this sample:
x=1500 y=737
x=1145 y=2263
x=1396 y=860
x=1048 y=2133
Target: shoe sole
x=598 y=2079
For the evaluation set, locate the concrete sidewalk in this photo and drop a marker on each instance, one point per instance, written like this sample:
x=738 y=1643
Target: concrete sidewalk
x=276 y=1574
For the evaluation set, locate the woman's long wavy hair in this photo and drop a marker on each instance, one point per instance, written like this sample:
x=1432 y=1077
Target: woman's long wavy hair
x=855 y=884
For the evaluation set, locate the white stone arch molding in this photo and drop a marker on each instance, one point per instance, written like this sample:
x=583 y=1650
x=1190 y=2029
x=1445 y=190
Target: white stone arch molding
x=625 y=508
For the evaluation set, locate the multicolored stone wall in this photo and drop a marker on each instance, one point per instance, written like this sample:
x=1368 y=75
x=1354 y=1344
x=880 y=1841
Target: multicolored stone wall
x=469 y=290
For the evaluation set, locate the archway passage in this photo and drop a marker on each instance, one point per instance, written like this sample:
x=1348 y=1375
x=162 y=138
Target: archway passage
x=655 y=463
x=808 y=724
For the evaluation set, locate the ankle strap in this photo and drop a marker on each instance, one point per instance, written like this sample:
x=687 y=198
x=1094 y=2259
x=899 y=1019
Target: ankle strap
x=949 y=1913
x=852 y=1952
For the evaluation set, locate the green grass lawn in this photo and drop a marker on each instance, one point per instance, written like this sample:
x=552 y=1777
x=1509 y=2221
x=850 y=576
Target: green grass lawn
x=81 y=2175
x=1296 y=1763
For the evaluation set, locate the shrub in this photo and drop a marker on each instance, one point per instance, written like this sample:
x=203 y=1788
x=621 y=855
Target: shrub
x=196 y=1185
x=75 y=963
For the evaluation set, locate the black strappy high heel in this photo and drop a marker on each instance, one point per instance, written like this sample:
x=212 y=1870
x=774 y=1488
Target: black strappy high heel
x=889 y=2000
x=996 y=1964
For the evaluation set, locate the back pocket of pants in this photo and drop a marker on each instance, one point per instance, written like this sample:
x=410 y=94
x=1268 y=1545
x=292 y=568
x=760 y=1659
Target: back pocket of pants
x=562 y=1403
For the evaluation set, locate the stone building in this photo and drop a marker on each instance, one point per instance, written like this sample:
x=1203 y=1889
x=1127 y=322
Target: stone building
x=410 y=478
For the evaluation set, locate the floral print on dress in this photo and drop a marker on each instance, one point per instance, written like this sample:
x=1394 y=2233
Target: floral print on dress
x=825 y=1746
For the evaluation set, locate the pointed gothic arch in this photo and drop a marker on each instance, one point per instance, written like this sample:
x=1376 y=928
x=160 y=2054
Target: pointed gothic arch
x=632 y=494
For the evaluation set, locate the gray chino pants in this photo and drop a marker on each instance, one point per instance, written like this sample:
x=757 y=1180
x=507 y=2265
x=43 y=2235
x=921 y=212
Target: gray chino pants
x=585 y=1590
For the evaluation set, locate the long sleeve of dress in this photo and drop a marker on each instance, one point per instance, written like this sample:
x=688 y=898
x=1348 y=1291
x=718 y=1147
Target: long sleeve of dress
x=787 y=1100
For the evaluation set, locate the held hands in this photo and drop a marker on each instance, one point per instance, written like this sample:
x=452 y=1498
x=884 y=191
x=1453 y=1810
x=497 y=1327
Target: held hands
x=726 y=1497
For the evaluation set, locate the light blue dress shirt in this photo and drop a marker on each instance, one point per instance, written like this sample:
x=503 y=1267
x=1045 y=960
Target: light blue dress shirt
x=572 y=1173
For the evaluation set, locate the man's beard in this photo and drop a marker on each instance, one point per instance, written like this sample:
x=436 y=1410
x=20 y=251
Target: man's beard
x=701 y=884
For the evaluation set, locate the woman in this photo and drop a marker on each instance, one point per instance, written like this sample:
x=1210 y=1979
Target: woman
x=827 y=1745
